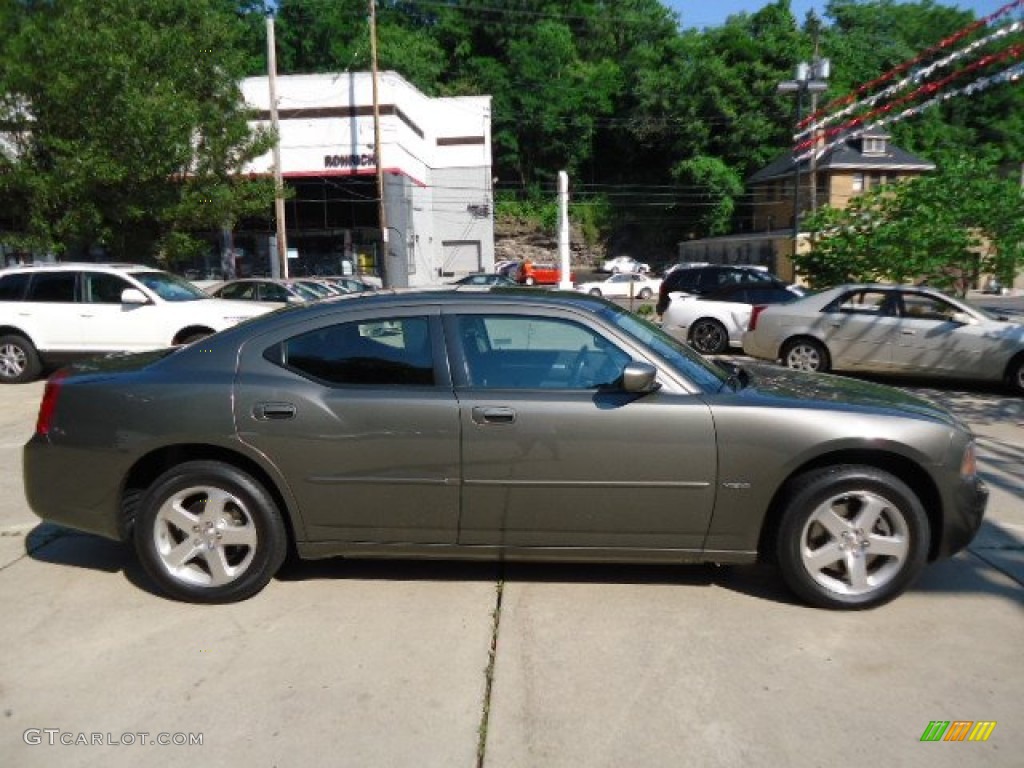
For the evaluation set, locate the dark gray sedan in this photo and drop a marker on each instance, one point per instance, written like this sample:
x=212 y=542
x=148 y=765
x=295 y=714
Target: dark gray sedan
x=495 y=424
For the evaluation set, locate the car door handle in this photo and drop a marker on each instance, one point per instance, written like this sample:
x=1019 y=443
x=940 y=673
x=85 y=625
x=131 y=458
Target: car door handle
x=908 y=333
x=268 y=411
x=492 y=415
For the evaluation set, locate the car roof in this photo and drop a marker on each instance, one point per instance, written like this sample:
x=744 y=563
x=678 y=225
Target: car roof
x=63 y=266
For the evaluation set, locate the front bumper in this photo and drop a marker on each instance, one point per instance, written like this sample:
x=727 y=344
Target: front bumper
x=965 y=516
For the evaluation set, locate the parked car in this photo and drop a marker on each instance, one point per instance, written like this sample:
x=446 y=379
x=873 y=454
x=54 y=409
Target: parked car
x=351 y=284
x=713 y=322
x=625 y=264
x=479 y=424
x=507 y=268
x=484 y=279
x=622 y=285
x=531 y=273
x=698 y=281
x=53 y=313
x=264 y=289
x=891 y=329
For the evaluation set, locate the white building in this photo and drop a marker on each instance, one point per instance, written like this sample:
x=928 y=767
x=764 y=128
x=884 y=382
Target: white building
x=436 y=157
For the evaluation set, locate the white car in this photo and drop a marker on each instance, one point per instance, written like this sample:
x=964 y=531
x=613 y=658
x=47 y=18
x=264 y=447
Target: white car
x=622 y=286
x=713 y=322
x=625 y=264
x=890 y=329
x=58 y=312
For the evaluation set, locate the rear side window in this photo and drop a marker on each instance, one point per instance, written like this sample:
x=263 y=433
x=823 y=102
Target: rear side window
x=387 y=352
x=52 y=287
x=12 y=287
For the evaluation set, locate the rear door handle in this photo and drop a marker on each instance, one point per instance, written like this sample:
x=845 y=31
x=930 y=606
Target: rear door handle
x=494 y=415
x=277 y=411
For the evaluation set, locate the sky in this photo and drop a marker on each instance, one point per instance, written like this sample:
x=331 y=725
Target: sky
x=702 y=13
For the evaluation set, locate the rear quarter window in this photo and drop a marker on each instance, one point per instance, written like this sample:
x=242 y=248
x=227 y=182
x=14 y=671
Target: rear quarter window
x=12 y=287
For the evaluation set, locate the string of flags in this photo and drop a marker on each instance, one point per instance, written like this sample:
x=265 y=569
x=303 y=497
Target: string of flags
x=907 y=65
x=875 y=111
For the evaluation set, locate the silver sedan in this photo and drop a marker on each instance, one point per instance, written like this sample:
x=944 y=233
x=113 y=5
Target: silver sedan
x=890 y=329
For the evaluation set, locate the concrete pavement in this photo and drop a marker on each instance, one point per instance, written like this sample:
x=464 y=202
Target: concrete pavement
x=390 y=663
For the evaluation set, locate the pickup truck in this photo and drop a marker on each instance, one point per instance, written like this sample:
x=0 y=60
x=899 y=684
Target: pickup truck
x=531 y=273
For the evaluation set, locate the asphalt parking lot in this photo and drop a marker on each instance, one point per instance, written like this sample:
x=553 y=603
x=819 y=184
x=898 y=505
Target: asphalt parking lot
x=439 y=664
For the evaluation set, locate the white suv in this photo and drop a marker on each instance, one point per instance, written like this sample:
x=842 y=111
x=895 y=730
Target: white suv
x=56 y=312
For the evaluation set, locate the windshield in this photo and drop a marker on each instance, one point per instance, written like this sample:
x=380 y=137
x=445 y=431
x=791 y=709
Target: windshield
x=690 y=364
x=169 y=287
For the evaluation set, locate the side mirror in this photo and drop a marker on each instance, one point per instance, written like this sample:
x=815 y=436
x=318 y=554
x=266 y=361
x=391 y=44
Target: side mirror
x=133 y=296
x=640 y=378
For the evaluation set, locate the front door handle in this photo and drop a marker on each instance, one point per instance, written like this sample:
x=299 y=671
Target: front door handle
x=494 y=415
x=275 y=411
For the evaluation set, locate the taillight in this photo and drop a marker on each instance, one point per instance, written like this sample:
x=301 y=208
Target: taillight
x=44 y=422
x=755 y=312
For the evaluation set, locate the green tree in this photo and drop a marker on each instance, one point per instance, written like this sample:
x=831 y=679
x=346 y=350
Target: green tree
x=131 y=128
x=946 y=228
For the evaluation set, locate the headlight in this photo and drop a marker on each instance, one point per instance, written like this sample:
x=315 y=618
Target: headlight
x=969 y=462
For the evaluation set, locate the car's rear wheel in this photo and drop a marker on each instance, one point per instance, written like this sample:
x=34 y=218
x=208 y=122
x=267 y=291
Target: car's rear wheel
x=19 y=361
x=851 y=537
x=806 y=355
x=709 y=337
x=645 y=293
x=207 y=532
x=595 y=291
x=529 y=281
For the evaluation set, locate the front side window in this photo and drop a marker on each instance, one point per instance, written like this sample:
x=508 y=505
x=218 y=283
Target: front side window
x=386 y=352
x=523 y=352
x=102 y=288
x=921 y=307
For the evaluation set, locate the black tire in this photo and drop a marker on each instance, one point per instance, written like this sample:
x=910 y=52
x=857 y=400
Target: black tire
x=709 y=337
x=805 y=354
x=595 y=291
x=529 y=281
x=874 y=547
x=645 y=293
x=1014 y=375
x=181 y=527
x=193 y=337
x=19 y=361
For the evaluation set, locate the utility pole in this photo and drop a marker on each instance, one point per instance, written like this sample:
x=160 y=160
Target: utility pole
x=381 y=208
x=565 y=278
x=282 y=242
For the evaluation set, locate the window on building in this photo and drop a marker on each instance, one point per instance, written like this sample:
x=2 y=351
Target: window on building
x=857 y=182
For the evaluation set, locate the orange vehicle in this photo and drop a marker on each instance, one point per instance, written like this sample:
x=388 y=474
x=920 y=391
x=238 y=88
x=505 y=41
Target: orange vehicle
x=530 y=273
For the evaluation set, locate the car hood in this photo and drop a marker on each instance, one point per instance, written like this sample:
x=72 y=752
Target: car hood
x=773 y=385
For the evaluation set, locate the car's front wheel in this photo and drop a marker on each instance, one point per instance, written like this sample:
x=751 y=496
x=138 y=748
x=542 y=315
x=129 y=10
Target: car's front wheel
x=709 y=337
x=207 y=532
x=595 y=291
x=19 y=361
x=806 y=355
x=1015 y=375
x=851 y=537
x=645 y=293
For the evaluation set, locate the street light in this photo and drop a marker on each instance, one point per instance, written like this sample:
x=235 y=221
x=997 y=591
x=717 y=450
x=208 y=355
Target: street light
x=808 y=78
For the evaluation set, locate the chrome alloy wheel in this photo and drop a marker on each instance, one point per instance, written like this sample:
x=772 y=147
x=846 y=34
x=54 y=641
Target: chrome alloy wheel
x=855 y=543
x=805 y=356
x=205 y=536
x=13 y=361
